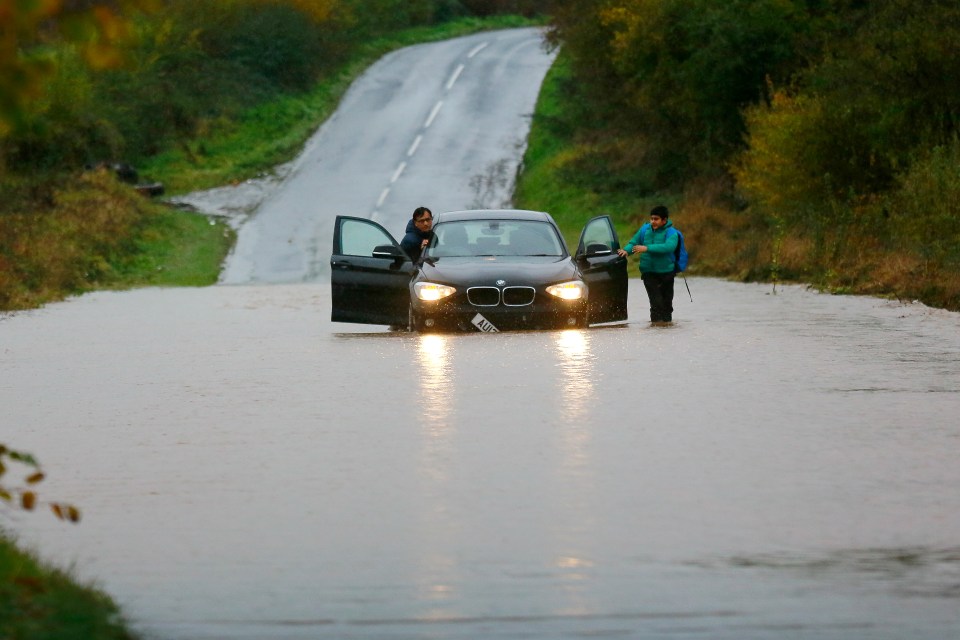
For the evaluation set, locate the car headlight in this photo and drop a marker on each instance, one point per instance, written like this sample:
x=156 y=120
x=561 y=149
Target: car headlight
x=429 y=291
x=573 y=290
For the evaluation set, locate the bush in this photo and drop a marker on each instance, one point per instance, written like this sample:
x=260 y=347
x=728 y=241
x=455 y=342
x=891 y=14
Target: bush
x=37 y=601
x=926 y=207
x=674 y=75
x=274 y=42
x=65 y=242
x=66 y=127
x=778 y=172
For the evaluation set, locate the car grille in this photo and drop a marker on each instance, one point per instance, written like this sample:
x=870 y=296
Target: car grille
x=483 y=296
x=492 y=296
x=518 y=296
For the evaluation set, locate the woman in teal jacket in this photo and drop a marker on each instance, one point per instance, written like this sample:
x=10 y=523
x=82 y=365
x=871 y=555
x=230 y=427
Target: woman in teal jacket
x=656 y=242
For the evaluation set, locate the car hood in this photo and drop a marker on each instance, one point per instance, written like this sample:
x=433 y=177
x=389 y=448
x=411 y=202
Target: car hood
x=488 y=270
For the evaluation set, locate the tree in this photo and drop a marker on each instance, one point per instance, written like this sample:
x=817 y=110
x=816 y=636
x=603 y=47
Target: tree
x=28 y=29
x=675 y=75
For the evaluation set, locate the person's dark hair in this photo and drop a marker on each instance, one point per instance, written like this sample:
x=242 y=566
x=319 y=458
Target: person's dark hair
x=419 y=211
x=660 y=211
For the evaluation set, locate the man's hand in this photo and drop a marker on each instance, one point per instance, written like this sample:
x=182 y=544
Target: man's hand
x=424 y=243
x=639 y=248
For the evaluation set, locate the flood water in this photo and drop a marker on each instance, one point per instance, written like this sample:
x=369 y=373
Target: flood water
x=770 y=466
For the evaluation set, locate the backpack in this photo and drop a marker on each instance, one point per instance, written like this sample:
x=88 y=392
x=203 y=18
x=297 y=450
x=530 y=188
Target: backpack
x=680 y=256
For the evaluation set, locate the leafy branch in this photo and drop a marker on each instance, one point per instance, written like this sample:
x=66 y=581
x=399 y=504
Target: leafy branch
x=24 y=495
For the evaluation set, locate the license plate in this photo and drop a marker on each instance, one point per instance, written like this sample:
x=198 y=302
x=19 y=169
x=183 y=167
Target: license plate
x=483 y=324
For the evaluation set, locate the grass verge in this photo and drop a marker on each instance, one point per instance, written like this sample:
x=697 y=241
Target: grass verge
x=90 y=232
x=40 y=602
x=177 y=249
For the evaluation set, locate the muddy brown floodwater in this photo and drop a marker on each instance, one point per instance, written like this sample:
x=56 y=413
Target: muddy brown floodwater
x=771 y=466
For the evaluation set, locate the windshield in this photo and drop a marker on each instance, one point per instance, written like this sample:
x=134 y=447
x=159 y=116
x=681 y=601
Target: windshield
x=495 y=238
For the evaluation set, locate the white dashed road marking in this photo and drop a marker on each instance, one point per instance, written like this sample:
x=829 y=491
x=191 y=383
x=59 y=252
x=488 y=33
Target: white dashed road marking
x=413 y=147
x=453 y=78
x=433 y=114
x=426 y=125
x=477 y=49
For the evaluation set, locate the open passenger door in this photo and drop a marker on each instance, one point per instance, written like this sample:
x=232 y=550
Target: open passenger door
x=369 y=274
x=603 y=270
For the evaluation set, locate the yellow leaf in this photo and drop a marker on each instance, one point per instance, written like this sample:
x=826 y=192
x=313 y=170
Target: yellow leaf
x=28 y=499
x=112 y=26
x=73 y=514
x=35 y=478
x=57 y=511
x=48 y=8
x=102 y=56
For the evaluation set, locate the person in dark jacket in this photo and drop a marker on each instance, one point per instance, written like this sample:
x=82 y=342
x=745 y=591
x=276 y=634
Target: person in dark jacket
x=418 y=234
x=656 y=243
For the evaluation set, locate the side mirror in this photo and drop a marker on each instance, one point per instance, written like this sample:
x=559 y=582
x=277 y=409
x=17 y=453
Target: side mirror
x=388 y=251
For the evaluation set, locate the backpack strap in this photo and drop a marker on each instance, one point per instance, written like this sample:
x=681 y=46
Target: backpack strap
x=643 y=231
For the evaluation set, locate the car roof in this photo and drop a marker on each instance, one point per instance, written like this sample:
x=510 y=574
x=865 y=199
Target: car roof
x=494 y=214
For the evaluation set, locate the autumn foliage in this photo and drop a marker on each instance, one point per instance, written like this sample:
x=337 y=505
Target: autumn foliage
x=833 y=124
x=23 y=494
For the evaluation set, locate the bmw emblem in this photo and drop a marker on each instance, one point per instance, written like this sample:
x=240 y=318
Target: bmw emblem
x=500 y=283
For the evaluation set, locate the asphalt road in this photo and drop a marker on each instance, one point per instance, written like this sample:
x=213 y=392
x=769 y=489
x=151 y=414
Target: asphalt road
x=441 y=125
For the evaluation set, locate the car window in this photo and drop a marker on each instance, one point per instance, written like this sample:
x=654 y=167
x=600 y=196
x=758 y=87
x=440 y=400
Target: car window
x=599 y=232
x=358 y=238
x=495 y=238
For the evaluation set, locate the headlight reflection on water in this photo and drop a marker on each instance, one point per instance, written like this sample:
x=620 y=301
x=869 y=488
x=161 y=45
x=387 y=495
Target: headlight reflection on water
x=573 y=347
x=577 y=365
x=432 y=354
x=575 y=479
x=437 y=384
x=435 y=378
x=439 y=570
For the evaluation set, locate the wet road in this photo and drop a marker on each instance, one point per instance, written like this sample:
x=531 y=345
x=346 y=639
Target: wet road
x=768 y=467
x=443 y=125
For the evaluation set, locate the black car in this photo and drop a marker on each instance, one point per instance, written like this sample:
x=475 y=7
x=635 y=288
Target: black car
x=483 y=270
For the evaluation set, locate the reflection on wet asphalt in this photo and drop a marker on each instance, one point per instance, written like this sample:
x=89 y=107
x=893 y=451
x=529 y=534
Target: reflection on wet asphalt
x=767 y=467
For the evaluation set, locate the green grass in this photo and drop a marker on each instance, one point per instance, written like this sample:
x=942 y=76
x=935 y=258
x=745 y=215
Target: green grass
x=41 y=603
x=177 y=249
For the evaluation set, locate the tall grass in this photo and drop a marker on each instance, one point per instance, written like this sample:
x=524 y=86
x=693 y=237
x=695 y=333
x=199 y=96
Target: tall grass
x=40 y=602
x=93 y=232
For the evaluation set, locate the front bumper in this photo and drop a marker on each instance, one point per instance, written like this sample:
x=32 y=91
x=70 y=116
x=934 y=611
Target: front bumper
x=457 y=314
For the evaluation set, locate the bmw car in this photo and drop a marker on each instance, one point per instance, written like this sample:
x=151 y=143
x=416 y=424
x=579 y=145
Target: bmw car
x=484 y=270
